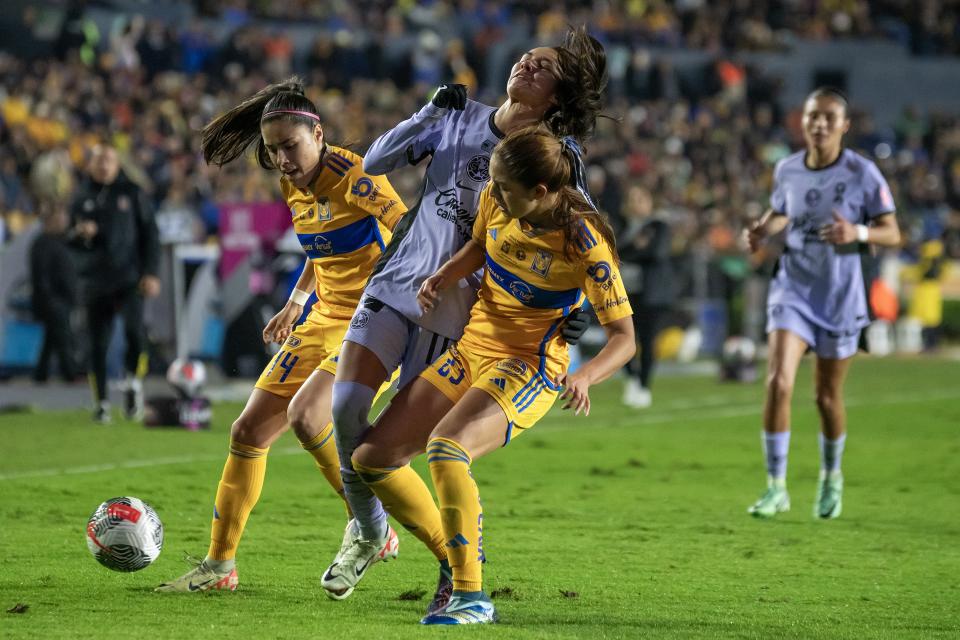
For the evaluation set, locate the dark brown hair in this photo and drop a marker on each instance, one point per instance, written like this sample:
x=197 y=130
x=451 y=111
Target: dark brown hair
x=231 y=133
x=533 y=156
x=582 y=79
x=834 y=94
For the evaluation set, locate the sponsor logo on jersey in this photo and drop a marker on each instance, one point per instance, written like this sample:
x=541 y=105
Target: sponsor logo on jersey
x=360 y=320
x=599 y=272
x=505 y=247
x=293 y=341
x=521 y=290
x=610 y=304
x=321 y=245
x=513 y=366
x=450 y=208
x=479 y=168
x=838 y=191
x=365 y=188
x=541 y=263
x=521 y=254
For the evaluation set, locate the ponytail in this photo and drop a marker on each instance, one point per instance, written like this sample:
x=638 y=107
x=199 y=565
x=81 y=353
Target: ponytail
x=231 y=133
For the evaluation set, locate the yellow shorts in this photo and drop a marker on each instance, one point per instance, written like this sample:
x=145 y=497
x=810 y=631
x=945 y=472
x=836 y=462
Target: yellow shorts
x=314 y=345
x=524 y=393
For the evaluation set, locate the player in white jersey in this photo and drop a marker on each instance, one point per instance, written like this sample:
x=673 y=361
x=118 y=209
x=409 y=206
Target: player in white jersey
x=832 y=202
x=560 y=87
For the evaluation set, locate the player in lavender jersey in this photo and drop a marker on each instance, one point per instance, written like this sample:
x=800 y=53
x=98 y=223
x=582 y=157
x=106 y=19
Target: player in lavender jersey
x=832 y=202
x=559 y=87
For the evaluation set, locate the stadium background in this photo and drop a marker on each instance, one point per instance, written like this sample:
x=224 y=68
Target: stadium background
x=703 y=99
x=622 y=525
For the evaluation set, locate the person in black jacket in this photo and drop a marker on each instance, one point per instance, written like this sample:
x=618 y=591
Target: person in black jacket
x=54 y=284
x=644 y=246
x=115 y=235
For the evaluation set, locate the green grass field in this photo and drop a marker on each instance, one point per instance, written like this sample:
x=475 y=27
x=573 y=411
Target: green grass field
x=620 y=525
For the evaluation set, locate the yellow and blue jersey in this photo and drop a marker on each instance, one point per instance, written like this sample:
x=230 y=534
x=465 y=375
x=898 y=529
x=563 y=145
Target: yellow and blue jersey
x=343 y=222
x=530 y=286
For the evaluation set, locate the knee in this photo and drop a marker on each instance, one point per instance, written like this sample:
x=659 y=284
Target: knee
x=300 y=420
x=828 y=400
x=779 y=384
x=246 y=431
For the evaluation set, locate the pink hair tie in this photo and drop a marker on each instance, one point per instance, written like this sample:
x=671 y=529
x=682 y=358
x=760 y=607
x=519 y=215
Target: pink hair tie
x=293 y=111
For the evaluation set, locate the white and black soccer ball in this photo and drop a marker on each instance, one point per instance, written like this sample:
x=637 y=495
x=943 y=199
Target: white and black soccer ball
x=738 y=350
x=187 y=376
x=125 y=534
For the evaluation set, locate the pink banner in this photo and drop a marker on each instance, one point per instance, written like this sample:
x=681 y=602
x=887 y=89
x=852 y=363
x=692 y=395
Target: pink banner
x=249 y=227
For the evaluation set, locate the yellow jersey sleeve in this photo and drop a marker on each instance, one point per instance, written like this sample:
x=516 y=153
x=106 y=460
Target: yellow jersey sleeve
x=374 y=195
x=486 y=207
x=602 y=282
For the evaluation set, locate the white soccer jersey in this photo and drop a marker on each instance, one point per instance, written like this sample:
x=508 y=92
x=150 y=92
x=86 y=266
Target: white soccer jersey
x=460 y=143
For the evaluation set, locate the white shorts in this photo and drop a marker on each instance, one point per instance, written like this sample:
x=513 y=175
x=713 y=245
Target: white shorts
x=396 y=340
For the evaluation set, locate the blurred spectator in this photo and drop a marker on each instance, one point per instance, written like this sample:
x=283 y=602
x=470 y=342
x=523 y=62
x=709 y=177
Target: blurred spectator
x=644 y=246
x=116 y=240
x=54 y=294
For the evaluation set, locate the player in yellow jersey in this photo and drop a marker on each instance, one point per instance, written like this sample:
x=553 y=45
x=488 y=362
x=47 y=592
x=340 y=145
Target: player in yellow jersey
x=343 y=219
x=543 y=249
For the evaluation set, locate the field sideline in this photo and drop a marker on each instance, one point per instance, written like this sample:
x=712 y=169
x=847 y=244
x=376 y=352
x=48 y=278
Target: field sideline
x=620 y=525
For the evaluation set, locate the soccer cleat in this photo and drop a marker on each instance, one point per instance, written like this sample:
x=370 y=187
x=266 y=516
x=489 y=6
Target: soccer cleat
x=635 y=395
x=202 y=578
x=133 y=399
x=351 y=564
x=461 y=611
x=829 y=502
x=101 y=414
x=774 y=500
x=441 y=598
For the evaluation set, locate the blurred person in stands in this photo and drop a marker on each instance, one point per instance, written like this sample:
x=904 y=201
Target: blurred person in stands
x=644 y=246
x=117 y=249
x=831 y=202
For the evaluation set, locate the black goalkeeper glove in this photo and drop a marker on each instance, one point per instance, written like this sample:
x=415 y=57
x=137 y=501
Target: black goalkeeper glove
x=574 y=326
x=450 y=96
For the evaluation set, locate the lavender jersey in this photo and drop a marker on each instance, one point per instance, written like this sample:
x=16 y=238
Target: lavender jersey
x=824 y=282
x=460 y=143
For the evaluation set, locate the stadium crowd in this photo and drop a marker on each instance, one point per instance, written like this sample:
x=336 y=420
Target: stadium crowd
x=697 y=147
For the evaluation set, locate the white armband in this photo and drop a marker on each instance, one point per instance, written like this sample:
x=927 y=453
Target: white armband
x=863 y=233
x=299 y=297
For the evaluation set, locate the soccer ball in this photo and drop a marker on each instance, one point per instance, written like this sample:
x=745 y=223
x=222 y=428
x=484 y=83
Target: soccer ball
x=187 y=376
x=125 y=534
x=739 y=350
x=739 y=360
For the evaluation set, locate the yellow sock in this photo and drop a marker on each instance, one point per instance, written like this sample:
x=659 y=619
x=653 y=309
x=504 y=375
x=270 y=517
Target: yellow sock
x=238 y=492
x=406 y=497
x=460 y=511
x=323 y=448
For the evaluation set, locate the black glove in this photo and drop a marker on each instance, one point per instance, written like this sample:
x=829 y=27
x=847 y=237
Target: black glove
x=450 y=96
x=574 y=326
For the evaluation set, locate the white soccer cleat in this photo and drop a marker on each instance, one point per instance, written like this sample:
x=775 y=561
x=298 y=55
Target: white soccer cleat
x=352 y=562
x=202 y=578
x=636 y=396
x=773 y=501
x=829 y=502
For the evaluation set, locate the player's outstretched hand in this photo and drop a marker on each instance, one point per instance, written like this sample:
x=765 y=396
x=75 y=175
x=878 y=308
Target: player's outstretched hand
x=429 y=292
x=450 y=96
x=841 y=231
x=573 y=327
x=575 y=393
x=754 y=235
x=280 y=325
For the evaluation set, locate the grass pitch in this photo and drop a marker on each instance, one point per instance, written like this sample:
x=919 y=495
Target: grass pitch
x=621 y=525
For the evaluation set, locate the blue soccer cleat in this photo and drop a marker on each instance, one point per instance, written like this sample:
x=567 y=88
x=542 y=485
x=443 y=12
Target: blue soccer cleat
x=461 y=611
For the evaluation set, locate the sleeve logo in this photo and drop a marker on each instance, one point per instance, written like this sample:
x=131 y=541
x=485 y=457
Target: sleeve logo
x=364 y=188
x=599 y=272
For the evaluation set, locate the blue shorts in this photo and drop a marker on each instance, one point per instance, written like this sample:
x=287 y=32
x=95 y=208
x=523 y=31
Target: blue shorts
x=838 y=345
